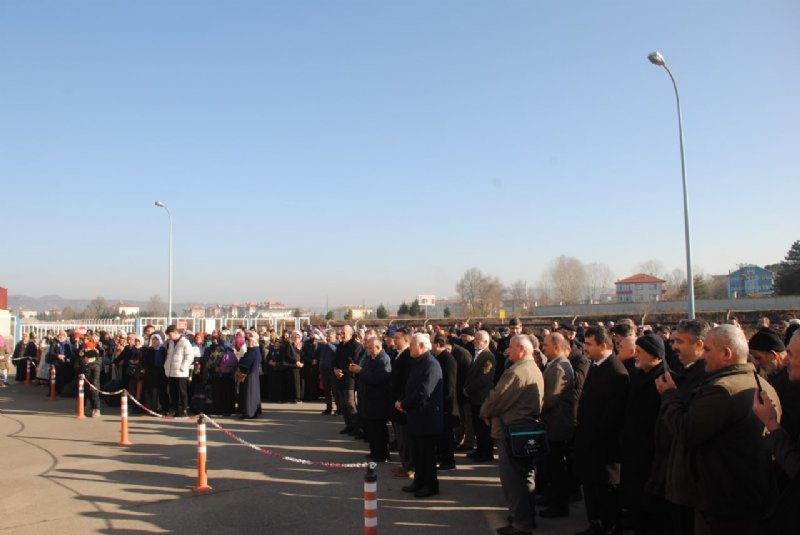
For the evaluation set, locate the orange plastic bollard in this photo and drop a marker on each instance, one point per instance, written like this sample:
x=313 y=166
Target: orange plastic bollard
x=28 y=371
x=371 y=501
x=52 y=382
x=202 y=481
x=123 y=412
x=80 y=415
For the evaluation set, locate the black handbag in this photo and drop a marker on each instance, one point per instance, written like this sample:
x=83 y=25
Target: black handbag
x=528 y=439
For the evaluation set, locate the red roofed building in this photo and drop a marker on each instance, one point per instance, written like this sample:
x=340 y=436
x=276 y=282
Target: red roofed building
x=640 y=288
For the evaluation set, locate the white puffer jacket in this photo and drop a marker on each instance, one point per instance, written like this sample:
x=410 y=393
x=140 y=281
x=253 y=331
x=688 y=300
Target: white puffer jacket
x=179 y=358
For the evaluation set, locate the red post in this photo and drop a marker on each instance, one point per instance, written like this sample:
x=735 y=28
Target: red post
x=52 y=382
x=80 y=415
x=202 y=481
x=371 y=501
x=123 y=412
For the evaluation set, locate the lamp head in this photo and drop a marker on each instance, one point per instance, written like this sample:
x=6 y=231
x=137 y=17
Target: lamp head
x=160 y=204
x=656 y=58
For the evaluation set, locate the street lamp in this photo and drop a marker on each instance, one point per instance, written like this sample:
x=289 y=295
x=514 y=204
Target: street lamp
x=169 y=299
x=657 y=59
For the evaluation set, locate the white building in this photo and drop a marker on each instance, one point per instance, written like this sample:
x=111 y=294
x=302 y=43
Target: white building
x=640 y=288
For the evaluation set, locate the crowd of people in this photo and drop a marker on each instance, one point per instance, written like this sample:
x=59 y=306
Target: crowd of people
x=686 y=430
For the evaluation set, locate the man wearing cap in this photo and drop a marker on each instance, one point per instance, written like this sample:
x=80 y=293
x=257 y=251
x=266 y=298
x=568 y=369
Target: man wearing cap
x=769 y=354
x=477 y=384
x=733 y=486
x=638 y=445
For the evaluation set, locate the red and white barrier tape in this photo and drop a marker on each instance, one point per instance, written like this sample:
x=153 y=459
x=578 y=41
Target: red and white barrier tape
x=323 y=464
x=280 y=456
x=117 y=393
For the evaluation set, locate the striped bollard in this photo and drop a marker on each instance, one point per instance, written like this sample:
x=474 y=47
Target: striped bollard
x=123 y=411
x=202 y=481
x=52 y=382
x=28 y=371
x=80 y=415
x=371 y=500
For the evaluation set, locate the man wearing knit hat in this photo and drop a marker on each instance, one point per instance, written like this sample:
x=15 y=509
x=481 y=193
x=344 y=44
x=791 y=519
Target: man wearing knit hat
x=769 y=354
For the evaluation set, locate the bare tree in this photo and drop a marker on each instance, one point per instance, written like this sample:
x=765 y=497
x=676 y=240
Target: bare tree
x=674 y=279
x=156 y=307
x=599 y=278
x=568 y=278
x=518 y=294
x=98 y=308
x=481 y=293
x=652 y=267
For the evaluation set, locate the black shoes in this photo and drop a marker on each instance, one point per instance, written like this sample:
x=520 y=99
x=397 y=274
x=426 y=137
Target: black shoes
x=425 y=492
x=482 y=458
x=554 y=512
x=346 y=431
x=445 y=467
x=326 y=412
x=411 y=488
x=511 y=530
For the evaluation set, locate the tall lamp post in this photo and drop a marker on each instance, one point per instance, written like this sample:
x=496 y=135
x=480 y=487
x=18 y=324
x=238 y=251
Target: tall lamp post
x=657 y=59
x=169 y=298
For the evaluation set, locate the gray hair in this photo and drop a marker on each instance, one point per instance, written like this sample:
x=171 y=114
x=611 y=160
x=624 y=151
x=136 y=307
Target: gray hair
x=373 y=340
x=422 y=339
x=525 y=341
x=732 y=337
x=697 y=329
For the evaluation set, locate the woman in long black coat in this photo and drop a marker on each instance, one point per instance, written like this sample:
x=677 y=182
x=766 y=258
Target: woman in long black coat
x=248 y=378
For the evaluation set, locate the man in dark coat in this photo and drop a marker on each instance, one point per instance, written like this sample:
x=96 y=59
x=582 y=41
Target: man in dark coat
x=478 y=383
x=688 y=342
x=375 y=398
x=733 y=485
x=638 y=443
x=465 y=435
x=558 y=415
x=597 y=435
x=400 y=370
x=447 y=460
x=344 y=386
x=422 y=404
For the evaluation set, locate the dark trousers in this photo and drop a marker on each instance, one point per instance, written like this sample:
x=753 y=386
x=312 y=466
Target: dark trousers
x=705 y=524
x=179 y=395
x=557 y=478
x=483 y=437
x=602 y=504
x=424 y=455
x=446 y=445
x=294 y=389
x=378 y=436
x=346 y=405
x=682 y=518
x=92 y=374
x=327 y=386
x=310 y=374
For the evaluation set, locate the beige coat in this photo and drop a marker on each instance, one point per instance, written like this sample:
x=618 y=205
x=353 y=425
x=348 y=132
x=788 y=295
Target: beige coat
x=517 y=397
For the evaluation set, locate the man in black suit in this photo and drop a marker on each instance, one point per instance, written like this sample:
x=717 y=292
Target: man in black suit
x=478 y=383
x=446 y=361
x=597 y=435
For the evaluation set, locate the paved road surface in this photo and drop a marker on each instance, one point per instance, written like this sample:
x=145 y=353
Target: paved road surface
x=62 y=476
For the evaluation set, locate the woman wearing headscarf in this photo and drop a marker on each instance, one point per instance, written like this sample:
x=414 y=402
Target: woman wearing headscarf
x=247 y=376
x=218 y=378
x=5 y=360
x=19 y=357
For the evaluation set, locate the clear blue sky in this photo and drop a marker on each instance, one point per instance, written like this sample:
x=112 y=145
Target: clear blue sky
x=373 y=151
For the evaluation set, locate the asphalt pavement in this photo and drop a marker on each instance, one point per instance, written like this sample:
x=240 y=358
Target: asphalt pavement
x=61 y=475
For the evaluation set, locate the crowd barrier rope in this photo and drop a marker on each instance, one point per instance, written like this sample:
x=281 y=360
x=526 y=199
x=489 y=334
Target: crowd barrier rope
x=370 y=479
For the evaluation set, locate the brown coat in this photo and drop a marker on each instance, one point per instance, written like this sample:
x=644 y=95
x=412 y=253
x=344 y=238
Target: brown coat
x=517 y=398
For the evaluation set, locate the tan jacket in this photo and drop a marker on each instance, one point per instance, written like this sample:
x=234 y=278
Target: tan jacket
x=517 y=397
